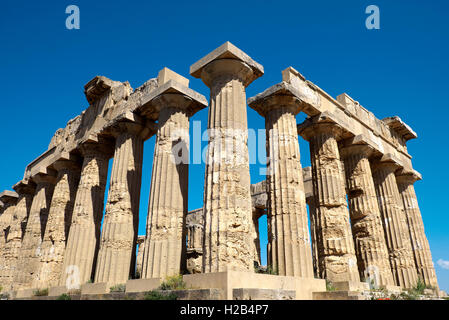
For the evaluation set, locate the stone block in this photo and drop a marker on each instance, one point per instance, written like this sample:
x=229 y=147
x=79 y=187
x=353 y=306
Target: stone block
x=57 y=291
x=166 y=74
x=24 y=293
x=351 y=286
x=95 y=288
x=142 y=285
x=338 y=295
x=392 y=289
x=263 y=294
x=230 y=280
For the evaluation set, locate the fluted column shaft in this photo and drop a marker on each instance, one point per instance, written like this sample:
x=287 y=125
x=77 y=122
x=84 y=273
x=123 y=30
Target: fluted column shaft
x=369 y=237
x=228 y=238
x=420 y=244
x=14 y=238
x=59 y=219
x=335 y=245
x=31 y=249
x=84 y=234
x=313 y=235
x=395 y=224
x=165 y=241
x=287 y=213
x=6 y=220
x=117 y=257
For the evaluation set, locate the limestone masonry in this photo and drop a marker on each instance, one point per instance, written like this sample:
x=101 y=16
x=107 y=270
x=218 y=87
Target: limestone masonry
x=366 y=230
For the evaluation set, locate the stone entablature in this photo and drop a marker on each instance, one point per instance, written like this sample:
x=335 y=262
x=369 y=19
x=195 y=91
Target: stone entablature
x=345 y=112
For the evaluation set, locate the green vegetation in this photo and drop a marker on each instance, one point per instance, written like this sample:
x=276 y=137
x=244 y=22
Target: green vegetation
x=118 y=288
x=40 y=292
x=267 y=270
x=64 y=296
x=330 y=286
x=173 y=283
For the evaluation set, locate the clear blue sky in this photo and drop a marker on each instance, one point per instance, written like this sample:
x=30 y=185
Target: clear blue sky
x=401 y=69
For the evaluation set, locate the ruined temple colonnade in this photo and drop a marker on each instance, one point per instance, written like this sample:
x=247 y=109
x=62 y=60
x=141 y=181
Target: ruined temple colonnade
x=366 y=228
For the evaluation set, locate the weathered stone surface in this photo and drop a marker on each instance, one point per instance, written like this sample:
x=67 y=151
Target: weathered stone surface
x=139 y=259
x=395 y=224
x=335 y=245
x=58 y=224
x=165 y=242
x=194 y=254
x=263 y=294
x=420 y=245
x=9 y=200
x=84 y=235
x=228 y=242
x=369 y=237
x=288 y=233
x=13 y=242
x=116 y=257
x=30 y=251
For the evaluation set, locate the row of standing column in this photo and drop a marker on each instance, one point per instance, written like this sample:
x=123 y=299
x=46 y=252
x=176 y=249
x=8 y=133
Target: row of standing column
x=374 y=240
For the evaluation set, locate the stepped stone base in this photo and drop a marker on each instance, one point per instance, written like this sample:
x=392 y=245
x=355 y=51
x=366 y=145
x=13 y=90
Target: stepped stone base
x=230 y=280
x=142 y=285
x=95 y=288
x=350 y=286
x=338 y=295
x=195 y=294
x=392 y=289
x=263 y=294
x=23 y=293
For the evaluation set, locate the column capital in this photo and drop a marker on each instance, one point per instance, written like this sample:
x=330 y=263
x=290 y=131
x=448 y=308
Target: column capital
x=225 y=62
x=131 y=128
x=408 y=176
x=103 y=148
x=49 y=178
x=68 y=165
x=25 y=187
x=263 y=105
x=319 y=125
x=353 y=149
x=8 y=197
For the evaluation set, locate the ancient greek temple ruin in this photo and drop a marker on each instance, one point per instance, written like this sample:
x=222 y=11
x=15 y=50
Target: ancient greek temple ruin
x=351 y=219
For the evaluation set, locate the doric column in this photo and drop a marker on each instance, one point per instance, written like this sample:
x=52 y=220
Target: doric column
x=167 y=208
x=58 y=224
x=25 y=190
x=8 y=199
x=194 y=226
x=420 y=245
x=228 y=242
x=336 y=256
x=290 y=251
x=31 y=250
x=117 y=256
x=84 y=234
x=369 y=238
x=395 y=224
x=313 y=235
x=139 y=259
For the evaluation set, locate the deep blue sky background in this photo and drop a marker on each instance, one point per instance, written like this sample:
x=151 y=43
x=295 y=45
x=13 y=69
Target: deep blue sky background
x=401 y=69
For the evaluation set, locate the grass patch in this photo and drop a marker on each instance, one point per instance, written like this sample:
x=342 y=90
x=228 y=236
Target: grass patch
x=40 y=292
x=330 y=286
x=173 y=283
x=118 y=288
x=267 y=270
x=64 y=296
